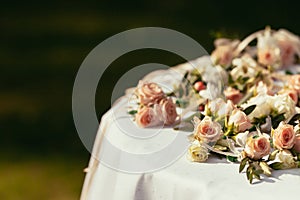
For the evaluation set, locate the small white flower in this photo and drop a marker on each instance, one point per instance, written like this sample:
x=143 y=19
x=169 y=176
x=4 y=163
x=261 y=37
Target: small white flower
x=244 y=67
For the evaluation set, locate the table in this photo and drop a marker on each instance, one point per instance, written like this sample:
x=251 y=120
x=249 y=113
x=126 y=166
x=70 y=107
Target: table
x=215 y=179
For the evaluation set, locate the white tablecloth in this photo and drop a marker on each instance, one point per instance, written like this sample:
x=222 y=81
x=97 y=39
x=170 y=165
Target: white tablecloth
x=216 y=179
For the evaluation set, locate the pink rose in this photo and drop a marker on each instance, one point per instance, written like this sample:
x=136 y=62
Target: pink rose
x=149 y=93
x=168 y=109
x=257 y=147
x=207 y=130
x=240 y=120
x=233 y=94
x=147 y=117
x=284 y=136
x=297 y=144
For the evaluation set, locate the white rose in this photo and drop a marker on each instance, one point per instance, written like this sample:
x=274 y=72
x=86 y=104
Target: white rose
x=262 y=109
x=197 y=152
x=212 y=91
x=286 y=158
x=266 y=103
x=283 y=104
x=220 y=108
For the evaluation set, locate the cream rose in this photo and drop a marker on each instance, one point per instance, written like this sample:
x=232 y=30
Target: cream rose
x=233 y=94
x=207 y=130
x=257 y=147
x=147 y=117
x=197 y=152
x=297 y=144
x=240 y=120
x=286 y=159
x=149 y=93
x=168 y=110
x=284 y=136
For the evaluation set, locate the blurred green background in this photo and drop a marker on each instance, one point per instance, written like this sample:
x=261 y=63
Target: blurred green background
x=42 y=45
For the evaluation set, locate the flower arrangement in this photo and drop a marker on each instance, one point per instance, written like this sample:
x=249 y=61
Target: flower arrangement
x=155 y=107
x=245 y=103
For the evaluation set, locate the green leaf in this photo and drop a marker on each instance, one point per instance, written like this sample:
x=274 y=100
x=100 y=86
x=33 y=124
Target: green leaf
x=257 y=176
x=255 y=136
x=181 y=103
x=277 y=119
x=243 y=164
x=276 y=165
x=258 y=171
x=220 y=147
x=132 y=112
x=249 y=173
x=295 y=118
x=272 y=156
x=231 y=158
x=265 y=167
x=249 y=109
x=184 y=126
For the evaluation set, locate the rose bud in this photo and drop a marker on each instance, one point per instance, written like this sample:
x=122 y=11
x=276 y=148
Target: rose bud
x=199 y=85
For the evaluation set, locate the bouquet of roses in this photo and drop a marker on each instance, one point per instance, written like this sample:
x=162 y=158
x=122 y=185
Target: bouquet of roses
x=246 y=103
